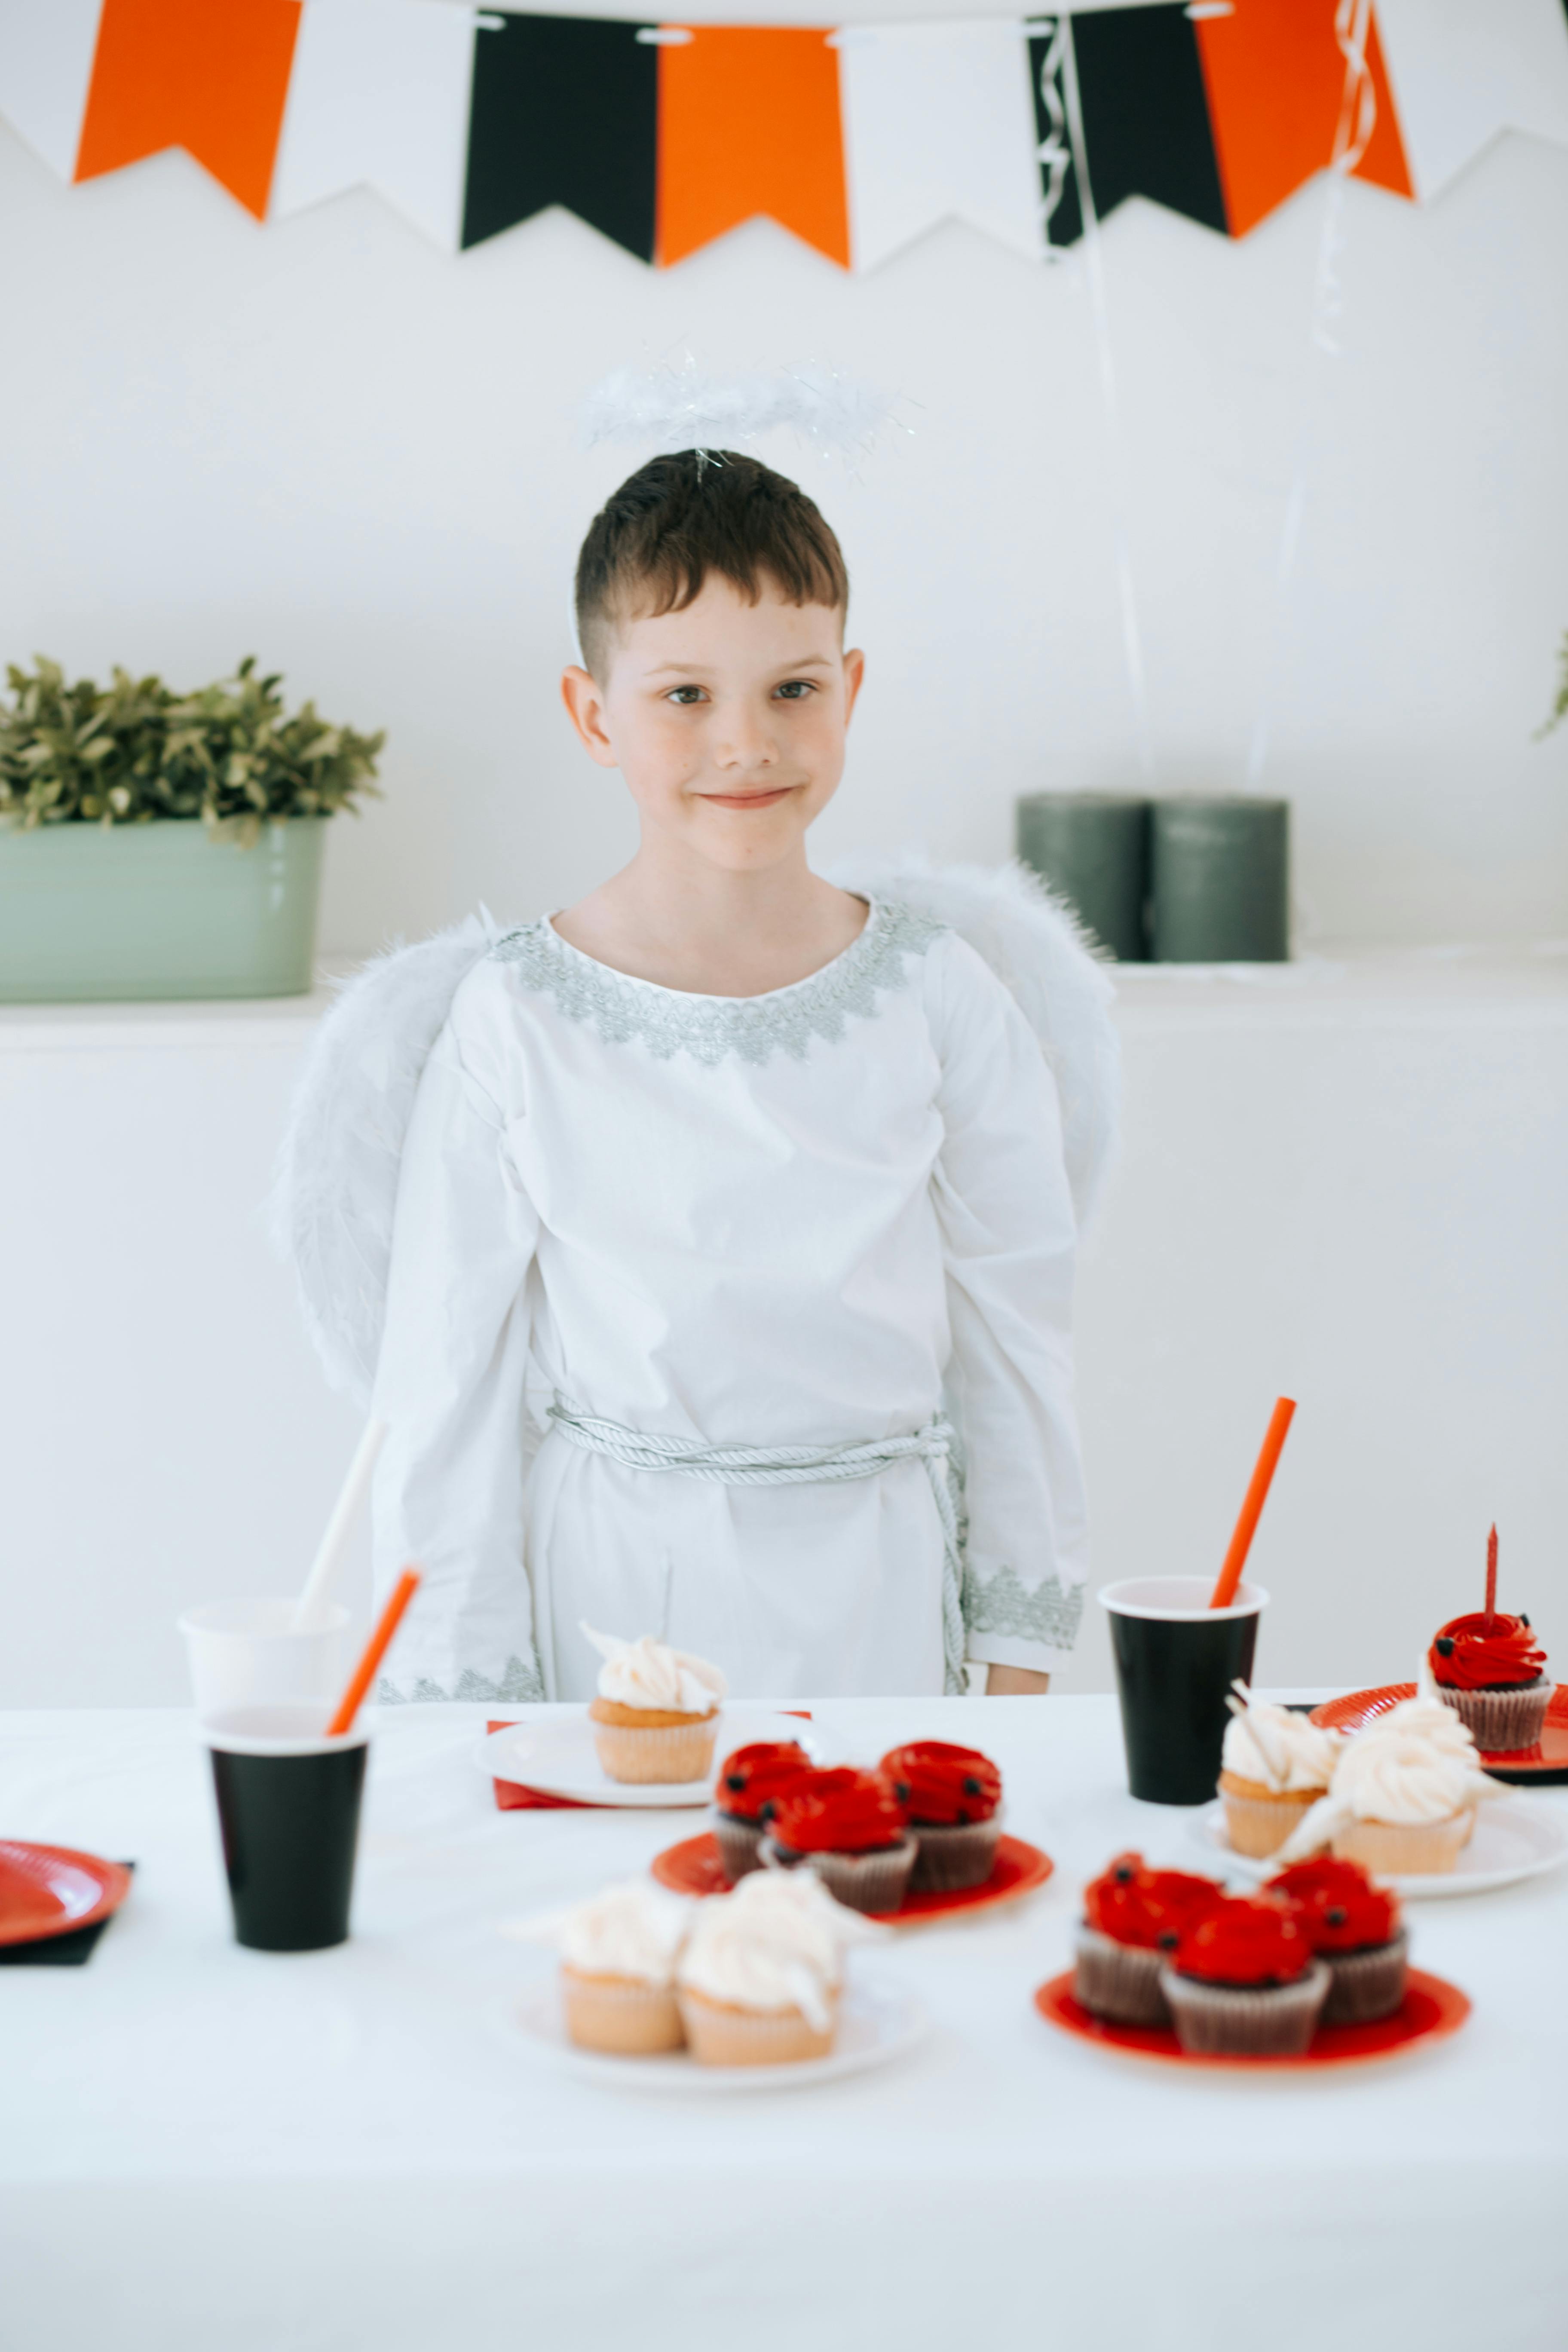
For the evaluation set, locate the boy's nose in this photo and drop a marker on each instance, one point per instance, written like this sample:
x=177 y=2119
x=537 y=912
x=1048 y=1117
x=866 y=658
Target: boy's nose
x=745 y=741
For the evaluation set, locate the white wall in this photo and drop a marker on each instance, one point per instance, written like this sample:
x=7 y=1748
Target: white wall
x=327 y=443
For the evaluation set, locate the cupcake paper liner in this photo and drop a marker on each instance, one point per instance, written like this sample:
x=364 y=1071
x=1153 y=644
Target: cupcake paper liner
x=739 y=1843
x=875 y=1882
x=1502 y=1721
x=671 y=1753
x=1366 y=1984
x=620 y=2014
x=1404 y=1849
x=720 y=2034
x=1260 y=1825
x=1120 y=1981
x=950 y=1856
x=1246 y=2021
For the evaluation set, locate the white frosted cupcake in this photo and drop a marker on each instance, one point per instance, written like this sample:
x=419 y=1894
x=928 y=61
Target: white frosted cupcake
x=618 y=1953
x=1404 y=1795
x=1274 y=1768
x=656 y=1718
x=760 y=1979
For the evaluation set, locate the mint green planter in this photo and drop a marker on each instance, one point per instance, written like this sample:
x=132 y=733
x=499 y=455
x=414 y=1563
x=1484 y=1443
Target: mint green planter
x=96 y=914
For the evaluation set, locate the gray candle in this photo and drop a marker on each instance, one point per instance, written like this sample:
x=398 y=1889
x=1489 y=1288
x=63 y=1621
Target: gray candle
x=1092 y=848
x=1220 y=871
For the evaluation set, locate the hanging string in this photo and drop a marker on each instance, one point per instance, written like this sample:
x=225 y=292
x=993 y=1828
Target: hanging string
x=1064 y=112
x=1353 y=134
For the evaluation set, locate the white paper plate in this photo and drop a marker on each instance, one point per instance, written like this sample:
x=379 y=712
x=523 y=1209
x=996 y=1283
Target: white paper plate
x=1515 y=1838
x=878 y=2023
x=558 y=1757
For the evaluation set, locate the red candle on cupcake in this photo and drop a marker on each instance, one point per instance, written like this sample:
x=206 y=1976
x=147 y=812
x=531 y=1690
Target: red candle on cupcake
x=1490 y=1669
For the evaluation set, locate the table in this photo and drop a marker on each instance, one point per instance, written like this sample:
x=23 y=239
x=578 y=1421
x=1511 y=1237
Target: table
x=348 y=2149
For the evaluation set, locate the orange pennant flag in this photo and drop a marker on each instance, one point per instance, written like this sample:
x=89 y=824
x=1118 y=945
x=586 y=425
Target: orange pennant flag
x=747 y=123
x=209 y=76
x=1276 y=79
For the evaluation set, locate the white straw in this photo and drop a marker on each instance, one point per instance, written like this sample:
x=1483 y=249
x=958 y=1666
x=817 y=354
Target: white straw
x=334 y=1543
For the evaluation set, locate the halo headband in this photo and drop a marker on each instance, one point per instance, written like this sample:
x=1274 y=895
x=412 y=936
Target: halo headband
x=668 y=409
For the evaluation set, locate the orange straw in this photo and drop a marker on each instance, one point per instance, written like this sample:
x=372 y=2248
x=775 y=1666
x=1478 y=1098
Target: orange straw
x=1224 y=1593
x=375 y=1648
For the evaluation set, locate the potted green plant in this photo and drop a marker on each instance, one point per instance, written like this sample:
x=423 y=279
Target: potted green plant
x=159 y=845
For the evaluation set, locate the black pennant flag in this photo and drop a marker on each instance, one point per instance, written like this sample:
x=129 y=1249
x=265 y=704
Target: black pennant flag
x=1145 y=116
x=565 y=111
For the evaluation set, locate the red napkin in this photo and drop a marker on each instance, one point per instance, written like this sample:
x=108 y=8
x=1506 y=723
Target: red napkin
x=512 y=1797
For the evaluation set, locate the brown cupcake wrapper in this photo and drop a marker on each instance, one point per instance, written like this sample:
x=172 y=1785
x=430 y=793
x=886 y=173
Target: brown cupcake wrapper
x=1366 y=1984
x=739 y=1845
x=1246 y=2021
x=1120 y=1981
x=1502 y=1721
x=876 y=1882
x=950 y=1856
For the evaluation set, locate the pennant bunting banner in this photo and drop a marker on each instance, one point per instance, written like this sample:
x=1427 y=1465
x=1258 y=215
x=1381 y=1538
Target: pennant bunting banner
x=664 y=137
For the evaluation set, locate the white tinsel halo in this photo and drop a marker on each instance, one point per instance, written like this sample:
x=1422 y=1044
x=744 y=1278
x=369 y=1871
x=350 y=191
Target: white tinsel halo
x=666 y=409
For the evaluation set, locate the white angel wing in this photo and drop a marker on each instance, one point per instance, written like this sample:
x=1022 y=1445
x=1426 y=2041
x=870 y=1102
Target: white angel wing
x=335 y=1189
x=1034 y=945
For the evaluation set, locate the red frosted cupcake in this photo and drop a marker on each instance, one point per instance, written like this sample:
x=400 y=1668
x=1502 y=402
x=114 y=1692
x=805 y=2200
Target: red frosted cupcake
x=1492 y=1672
x=1243 y=1983
x=1133 y=1922
x=1353 y=1926
x=952 y=1796
x=746 y=1792
x=849 y=1828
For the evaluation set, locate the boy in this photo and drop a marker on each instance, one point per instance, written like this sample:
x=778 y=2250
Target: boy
x=732 y=1207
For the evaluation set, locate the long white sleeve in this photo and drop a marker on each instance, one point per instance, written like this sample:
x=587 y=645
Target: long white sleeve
x=1009 y=1239
x=449 y=1385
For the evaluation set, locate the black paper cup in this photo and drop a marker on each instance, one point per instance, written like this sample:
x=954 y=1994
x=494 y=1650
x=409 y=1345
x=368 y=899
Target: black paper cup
x=288 y=1807
x=1175 y=1661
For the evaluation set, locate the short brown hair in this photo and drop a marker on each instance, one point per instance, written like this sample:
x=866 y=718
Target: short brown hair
x=677 y=518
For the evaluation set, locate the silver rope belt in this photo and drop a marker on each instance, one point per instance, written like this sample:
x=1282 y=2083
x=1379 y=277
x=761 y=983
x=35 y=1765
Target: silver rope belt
x=798 y=1465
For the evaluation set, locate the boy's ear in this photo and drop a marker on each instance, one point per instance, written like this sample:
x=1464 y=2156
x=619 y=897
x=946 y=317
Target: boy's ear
x=854 y=678
x=585 y=709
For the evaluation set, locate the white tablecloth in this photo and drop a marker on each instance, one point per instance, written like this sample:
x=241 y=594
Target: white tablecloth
x=205 y=2147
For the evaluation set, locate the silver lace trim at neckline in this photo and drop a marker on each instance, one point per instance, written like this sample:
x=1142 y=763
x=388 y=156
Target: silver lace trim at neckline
x=711 y=1028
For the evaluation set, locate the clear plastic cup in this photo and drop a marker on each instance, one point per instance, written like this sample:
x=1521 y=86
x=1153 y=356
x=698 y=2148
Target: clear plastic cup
x=247 y=1653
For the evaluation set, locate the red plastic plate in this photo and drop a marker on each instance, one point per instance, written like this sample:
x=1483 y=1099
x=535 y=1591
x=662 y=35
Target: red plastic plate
x=50 y=1890
x=1547 y=1761
x=1431 y=2010
x=693 y=1868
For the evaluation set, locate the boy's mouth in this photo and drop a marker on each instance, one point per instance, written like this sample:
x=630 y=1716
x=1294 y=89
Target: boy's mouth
x=747 y=800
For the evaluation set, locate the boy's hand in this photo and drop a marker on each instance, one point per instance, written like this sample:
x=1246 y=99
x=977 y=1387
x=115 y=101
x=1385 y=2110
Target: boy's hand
x=1015 y=1682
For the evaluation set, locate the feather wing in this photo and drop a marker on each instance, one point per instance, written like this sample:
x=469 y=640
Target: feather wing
x=335 y=1190
x=1035 y=947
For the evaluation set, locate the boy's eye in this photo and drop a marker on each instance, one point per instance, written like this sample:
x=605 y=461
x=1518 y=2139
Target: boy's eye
x=796 y=689
x=684 y=694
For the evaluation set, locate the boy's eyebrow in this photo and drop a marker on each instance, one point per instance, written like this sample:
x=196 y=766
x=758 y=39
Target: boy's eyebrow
x=702 y=669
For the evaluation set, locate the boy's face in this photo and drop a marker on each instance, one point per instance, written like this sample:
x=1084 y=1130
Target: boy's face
x=727 y=720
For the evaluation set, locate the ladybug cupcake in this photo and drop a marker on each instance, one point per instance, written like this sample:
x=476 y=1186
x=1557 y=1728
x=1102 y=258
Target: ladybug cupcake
x=1244 y=1981
x=1490 y=1669
x=1133 y=1922
x=952 y=1796
x=1355 y=1927
x=746 y=1794
x=849 y=1828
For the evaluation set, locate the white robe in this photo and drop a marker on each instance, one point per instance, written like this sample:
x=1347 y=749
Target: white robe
x=797 y=1218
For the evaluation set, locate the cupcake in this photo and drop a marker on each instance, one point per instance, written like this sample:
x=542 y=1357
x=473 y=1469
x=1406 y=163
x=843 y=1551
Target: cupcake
x=657 y=1714
x=1490 y=1669
x=1273 y=1769
x=849 y=1828
x=1133 y=1922
x=746 y=1794
x=618 y=1953
x=1244 y=1983
x=760 y=1979
x=1354 y=1929
x=1403 y=1796
x=951 y=1798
